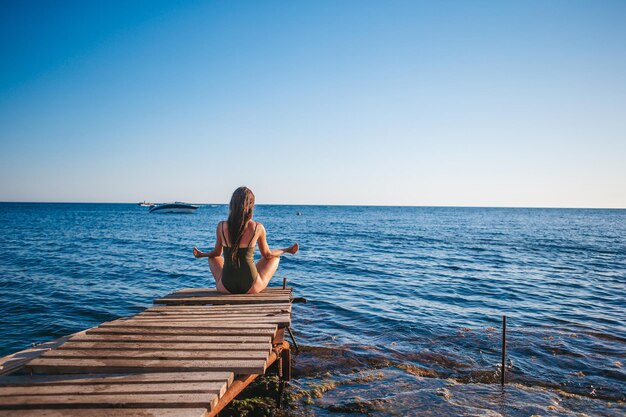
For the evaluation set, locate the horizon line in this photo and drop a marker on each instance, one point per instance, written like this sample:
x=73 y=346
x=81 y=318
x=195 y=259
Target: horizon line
x=332 y=205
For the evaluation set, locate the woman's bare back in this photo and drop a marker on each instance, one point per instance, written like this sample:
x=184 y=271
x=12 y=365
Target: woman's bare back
x=249 y=237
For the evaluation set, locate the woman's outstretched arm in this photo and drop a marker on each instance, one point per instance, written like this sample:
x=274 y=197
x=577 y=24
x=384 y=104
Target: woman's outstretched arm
x=275 y=253
x=217 y=251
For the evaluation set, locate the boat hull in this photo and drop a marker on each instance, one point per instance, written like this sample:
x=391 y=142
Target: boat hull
x=174 y=208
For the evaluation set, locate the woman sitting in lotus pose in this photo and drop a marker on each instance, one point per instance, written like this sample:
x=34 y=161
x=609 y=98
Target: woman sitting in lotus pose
x=236 y=272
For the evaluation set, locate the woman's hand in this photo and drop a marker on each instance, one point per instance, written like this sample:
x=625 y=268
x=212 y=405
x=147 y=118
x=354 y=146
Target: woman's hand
x=197 y=253
x=276 y=253
x=292 y=249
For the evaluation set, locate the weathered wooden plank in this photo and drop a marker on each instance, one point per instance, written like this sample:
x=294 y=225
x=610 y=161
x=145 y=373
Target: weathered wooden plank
x=172 y=338
x=213 y=293
x=248 y=313
x=279 y=320
x=209 y=324
x=218 y=301
x=265 y=291
x=225 y=307
x=276 y=295
x=244 y=308
x=197 y=296
x=280 y=302
x=183 y=331
x=175 y=310
x=232 y=312
x=107 y=412
x=156 y=354
x=17 y=360
x=75 y=365
x=202 y=317
x=252 y=298
x=135 y=378
x=183 y=400
x=212 y=300
x=179 y=346
x=182 y=322
x=217 y=388
x=250 y=309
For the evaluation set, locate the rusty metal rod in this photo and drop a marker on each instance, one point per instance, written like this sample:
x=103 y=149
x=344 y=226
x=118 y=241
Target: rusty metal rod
x=293 y=339
x=503 y=370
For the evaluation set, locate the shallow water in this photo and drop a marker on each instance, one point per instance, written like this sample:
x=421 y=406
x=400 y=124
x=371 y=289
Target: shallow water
x=413 y=296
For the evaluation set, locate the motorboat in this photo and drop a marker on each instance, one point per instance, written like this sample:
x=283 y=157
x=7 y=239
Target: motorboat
x=176 y=207
x=145 y=204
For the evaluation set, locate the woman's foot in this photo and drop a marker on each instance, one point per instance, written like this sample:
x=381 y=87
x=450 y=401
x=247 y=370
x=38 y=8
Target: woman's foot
x=293 y=248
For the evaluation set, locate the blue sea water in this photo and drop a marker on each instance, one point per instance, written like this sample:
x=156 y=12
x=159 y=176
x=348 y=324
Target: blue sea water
x=404 y=303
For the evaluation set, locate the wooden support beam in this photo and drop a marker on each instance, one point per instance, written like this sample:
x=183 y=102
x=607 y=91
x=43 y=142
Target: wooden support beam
x=237 y=386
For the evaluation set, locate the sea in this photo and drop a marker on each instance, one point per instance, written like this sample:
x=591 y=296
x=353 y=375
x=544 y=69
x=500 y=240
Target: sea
x=404 y=304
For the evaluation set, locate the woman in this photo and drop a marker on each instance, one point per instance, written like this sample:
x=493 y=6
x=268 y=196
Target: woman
x=236 y=272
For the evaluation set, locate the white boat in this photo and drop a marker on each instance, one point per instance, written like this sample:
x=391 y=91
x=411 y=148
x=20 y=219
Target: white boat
x=176 y=207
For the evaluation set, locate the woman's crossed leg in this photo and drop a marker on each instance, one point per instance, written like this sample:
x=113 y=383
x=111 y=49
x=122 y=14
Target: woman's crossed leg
x=216 y=265
x=266 y=268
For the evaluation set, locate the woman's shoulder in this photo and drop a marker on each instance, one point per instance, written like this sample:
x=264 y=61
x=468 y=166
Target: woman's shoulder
x=255 y=227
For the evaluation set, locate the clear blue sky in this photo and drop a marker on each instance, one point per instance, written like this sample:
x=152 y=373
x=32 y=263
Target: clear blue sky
x=488 y=103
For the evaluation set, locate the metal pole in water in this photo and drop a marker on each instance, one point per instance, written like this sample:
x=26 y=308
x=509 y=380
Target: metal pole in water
x=503 y=350
x=284 y=283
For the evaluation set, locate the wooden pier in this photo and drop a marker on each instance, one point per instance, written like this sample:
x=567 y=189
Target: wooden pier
x=187 y=356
